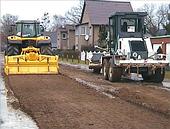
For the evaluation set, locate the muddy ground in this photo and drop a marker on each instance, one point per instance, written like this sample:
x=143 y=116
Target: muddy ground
x=77 y=99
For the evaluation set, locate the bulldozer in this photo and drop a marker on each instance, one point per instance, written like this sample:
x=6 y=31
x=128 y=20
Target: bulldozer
x=28 y=51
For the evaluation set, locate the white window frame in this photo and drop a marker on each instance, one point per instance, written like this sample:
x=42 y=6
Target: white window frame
x=84 y=33
x=77 y=31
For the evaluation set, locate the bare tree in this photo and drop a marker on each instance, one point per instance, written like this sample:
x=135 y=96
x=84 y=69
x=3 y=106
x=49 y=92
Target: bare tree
x=58 y=21
x=166 y=25
x=6 y=29
x=45 y=20
x=74 y=14
x=6 y=21
x=156 y=17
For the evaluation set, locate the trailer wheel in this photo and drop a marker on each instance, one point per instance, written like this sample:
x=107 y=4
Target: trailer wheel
x=46 y=50
x=12 y=50
x=115 y=73
x=97 y=70
x=105 y=69
x=159 y=75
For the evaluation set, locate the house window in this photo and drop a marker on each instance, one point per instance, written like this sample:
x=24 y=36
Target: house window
x=83 y=30
x=77 y=31
x=64 y=36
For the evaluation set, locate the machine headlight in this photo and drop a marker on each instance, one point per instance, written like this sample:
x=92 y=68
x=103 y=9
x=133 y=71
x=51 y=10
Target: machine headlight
x=135 y=55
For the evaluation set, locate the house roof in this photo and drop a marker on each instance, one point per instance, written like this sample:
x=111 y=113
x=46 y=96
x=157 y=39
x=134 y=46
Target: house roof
x=99 y=11
x=67 y=27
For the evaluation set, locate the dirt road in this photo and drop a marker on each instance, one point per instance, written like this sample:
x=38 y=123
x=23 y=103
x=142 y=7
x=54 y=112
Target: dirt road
x=60 y=102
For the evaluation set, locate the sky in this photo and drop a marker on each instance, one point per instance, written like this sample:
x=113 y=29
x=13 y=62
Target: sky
x=33 y=9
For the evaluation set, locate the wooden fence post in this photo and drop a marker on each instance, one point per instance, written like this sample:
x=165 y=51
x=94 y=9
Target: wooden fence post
x=79 y=58
x=67 y=58
x=72 y=58
x=62 y=57
x=85 y=57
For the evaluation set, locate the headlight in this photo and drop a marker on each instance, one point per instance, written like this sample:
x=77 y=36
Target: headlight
x=135 y=55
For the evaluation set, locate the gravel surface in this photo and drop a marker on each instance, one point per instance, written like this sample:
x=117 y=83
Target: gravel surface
x=67 y=101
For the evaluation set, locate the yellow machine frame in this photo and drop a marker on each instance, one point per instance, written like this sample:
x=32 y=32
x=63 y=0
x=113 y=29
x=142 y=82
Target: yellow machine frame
x=30 y=61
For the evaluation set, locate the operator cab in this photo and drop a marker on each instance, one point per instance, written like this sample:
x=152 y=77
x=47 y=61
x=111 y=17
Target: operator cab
x=28 y=28
x=127 y=24
x=126 y=34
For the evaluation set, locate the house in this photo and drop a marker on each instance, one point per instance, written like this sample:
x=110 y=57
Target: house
x=66 y=37
x=95 y=14
x=53 y=36
x=163 y=41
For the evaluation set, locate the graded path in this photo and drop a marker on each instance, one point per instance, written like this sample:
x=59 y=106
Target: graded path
x=58 y=102
x=153 y=96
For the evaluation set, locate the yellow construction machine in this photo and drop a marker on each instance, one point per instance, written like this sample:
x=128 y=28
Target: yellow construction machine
x=29 y=52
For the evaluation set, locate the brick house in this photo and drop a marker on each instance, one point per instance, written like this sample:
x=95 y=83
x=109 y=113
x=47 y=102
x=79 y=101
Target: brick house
x=163 y=41
x=94 y=15
x=53 y=36
x=66 y=37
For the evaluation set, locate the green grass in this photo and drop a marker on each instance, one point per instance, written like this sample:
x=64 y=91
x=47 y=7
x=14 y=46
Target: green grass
x=167 y=74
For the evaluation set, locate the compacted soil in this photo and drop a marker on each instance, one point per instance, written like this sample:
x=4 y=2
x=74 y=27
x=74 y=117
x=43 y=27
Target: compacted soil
x=77 y=99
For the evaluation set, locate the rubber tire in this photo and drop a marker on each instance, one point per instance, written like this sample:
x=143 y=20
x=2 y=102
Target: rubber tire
x=105 y=69
x=46 y=50
x=97 y=70
x=158 y=77
x=146 y=77
x=12 y=50
x=115 y=73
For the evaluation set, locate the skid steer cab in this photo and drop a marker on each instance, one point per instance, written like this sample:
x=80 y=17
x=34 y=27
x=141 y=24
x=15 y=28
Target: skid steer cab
x=129 y=51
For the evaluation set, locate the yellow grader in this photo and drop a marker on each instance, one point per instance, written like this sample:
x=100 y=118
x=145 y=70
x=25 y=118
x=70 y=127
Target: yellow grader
x=28 y=52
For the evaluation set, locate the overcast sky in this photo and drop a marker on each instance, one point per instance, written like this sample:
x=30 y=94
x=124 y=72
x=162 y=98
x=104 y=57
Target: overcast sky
x=33 y=9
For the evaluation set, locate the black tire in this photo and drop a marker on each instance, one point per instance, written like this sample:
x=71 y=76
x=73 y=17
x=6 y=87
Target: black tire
x=159 y=75
x=46 y=50
x=97 y=70
x=156 y=77
x=105 y=69
x=115 y=73
x=12 y=50
x=147 y=77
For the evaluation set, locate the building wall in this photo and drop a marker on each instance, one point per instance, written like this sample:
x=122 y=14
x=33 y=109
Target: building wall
x=161 y=41
x=71 y=39
x=96 y=34
x=168 y=51
x=164 y=42
x=64 y=42
x=58 y=40
x=80 y=37
x=91 y=31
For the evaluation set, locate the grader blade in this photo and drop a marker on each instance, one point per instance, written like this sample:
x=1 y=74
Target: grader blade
x=31 y=62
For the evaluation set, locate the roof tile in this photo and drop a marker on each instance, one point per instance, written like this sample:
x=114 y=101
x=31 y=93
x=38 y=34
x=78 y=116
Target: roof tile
x=100 y=11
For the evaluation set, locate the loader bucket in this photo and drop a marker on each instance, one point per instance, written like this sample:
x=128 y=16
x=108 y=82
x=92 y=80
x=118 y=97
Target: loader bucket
x=31 y=63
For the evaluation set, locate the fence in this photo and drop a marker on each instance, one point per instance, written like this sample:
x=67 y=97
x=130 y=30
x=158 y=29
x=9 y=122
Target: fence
x=88 y=55
x=83 y=56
